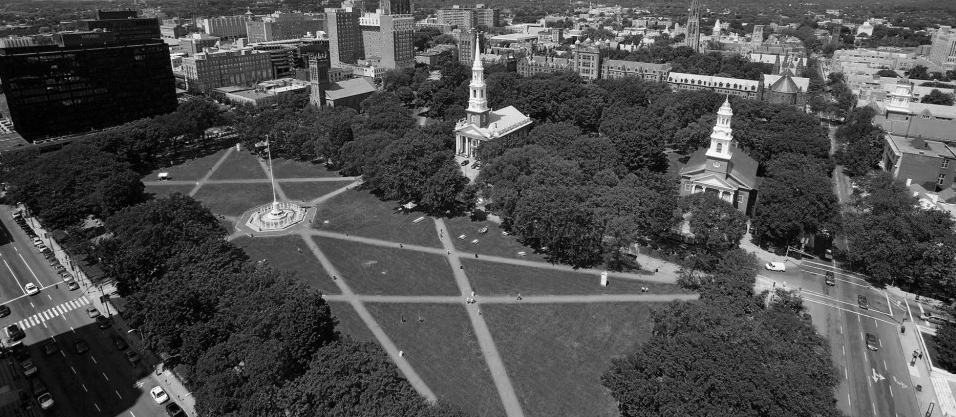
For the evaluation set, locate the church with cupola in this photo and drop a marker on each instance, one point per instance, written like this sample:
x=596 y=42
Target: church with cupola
x=722 y=169
x=482 y=124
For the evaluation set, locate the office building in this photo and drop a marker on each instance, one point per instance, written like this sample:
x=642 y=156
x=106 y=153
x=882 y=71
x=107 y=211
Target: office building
x=751 y=89
x=208 y=70
x=198 y=42
x=943 y=49
x=467 y=19
x=345 y=36
x=279 y=26
x=291 y=54
x=125 y=24
x=396 y=6
x=86 y=81
x=226 y=26
x=615 y=68
x=466 y=45
x=389 y=37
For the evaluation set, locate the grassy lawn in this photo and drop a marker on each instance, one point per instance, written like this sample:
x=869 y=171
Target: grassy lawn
x=389 y=271
x=492 y=278
x=191 y=170
x=282 y=253
x=233 y=199
x=297 y=191
x=240 y=166
x=286 y=168
x=163 y=190
x=362 y=214
x=491 y=243
x=555 y=354
x=444 y=351
x=350 y=323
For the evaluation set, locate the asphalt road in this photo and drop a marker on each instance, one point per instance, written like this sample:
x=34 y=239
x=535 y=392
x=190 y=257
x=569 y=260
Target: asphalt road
x=872 y=383
x=100 y=382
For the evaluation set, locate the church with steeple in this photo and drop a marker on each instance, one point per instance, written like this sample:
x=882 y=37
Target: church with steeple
x=722 y=169
x=482 y=124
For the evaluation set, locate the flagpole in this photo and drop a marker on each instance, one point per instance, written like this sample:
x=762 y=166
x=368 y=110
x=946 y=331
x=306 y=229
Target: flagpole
x=272 y=176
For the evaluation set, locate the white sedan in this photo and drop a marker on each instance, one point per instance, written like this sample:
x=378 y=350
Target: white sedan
x=776 y=266
x=159 y=395
x=31 y=289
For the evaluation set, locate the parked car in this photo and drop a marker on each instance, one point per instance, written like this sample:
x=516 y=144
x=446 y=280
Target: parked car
x=71 y=284
x=29 y=368
x=861 y=300
x=59 y=268
x=42 y=248
x=132 y=357
x=80 y=346
x=871 y=342
x=14 y=332
x=830 y=279
x=465 y=162
x=120 y=343
x=158 y=395
x=103 y=322
x=4 y=311
x=174 y=410
x=37 y=242
x=45 y=400
x=828 y=254
x=776 y=266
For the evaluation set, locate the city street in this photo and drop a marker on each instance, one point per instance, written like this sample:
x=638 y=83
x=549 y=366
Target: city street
x=99 y=382
x=873 y=383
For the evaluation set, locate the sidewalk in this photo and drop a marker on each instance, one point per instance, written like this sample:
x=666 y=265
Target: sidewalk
x=934 y=388
x=166 y=379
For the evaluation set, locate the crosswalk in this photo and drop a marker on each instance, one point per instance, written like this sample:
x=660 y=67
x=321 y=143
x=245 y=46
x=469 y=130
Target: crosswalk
x=49 y=314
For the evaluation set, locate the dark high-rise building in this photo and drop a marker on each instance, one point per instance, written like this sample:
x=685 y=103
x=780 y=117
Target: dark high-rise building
x=86 y=81
x=396 y=6
x=125 y=24
x=693 y=26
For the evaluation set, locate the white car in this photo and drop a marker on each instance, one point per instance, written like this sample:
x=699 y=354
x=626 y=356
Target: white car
x=45 y=400
x=776 y=266
x=31 y=289
x=159 y=395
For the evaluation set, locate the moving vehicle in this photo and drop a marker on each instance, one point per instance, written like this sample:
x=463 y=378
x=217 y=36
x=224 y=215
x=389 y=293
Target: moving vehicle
x=15 y=332
x=93 y=312
x=80 y=346
x=861 y=300
x=158 y=395
x=830 y=279
x=776 y=266
x=871 y=342
x=31 y=289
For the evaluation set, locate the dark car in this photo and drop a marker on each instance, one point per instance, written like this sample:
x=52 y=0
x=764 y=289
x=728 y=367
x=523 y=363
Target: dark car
x=830 y=279
x=54 y=262
x=119 y=343
x=80 y=346
x=861 y=300
x=103 y=322
x=4 y=311
x=20 y=351
x=132 y=357
x=15 y=332
x=871 y=342
x=465 y=162
x=50 y=348
x=174 y=410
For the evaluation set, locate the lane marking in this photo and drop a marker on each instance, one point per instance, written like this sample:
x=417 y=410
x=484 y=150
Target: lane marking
x=94 y=359
x=848 y=311
x=97 y=407
x=891 y=390
x=74 y=370
x=874 y=406
x=31 y=269
x=15 y=278
x=104 y=376
x=118 y=394
x=848 y=402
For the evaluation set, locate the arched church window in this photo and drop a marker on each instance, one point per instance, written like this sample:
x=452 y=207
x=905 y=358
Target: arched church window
x=720 y=147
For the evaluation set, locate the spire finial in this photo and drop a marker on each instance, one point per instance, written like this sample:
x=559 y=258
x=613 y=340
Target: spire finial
x=477 y=63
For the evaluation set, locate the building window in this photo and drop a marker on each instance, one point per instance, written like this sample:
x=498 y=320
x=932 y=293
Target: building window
x=945 y=163
x=740 y=198
x=720 y=147
x=688 y=186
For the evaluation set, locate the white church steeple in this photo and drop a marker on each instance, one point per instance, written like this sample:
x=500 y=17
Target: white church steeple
x=721 y=138
x=477 y=102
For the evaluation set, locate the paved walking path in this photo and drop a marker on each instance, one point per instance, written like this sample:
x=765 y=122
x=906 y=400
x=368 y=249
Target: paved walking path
x=661 y=278
x=497 y=367
x=508 y=299
x=406 y=368
x=254 y=181
x=323 y=198
x=205 y=178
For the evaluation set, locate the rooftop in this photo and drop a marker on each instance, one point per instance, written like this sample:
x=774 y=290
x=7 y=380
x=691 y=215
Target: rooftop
x=349 y=88
x=921 y=146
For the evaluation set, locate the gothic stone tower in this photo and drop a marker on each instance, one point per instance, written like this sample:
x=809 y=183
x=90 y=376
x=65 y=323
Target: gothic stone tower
x=693 y=26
